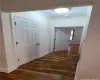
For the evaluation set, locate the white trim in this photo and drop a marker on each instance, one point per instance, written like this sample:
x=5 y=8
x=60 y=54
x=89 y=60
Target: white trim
x=12 y=69
x=77 y=71
x=5 y=70
x=43 y=54
x=14 y=39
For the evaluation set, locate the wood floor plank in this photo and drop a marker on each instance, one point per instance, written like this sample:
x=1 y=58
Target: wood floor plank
x=54 y=66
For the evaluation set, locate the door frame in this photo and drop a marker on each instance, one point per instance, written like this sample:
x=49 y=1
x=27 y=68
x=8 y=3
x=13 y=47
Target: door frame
x=14 y=39
x=54 y=39
x=14 y=36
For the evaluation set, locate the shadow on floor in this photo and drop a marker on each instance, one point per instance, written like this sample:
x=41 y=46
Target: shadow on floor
x=54 y=66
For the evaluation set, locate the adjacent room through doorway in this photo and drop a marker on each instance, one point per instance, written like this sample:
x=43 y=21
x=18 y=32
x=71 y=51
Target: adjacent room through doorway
x=67 y=36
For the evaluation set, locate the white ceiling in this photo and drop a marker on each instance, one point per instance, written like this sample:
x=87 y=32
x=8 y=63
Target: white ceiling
x=75 y=11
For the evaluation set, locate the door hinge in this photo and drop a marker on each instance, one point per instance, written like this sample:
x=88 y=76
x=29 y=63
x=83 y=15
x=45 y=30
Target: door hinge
x=14 y=23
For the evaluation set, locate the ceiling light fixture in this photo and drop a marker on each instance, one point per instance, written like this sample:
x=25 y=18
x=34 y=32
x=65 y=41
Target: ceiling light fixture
x=61 y=10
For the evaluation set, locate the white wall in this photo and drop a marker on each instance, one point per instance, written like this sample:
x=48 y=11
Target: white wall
x=89 y=10
x=3 y=61
x=77 y=36
x=90 y=57
x=68 y=22
x=8 y=41
x=62 y=38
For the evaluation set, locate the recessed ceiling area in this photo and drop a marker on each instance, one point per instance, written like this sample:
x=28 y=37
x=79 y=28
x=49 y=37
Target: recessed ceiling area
x=73 y=12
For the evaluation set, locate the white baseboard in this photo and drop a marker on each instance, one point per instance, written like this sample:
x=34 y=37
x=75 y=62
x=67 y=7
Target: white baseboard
x=43 y=54
x=12 y=69
x=76 y=74
x=6 y=70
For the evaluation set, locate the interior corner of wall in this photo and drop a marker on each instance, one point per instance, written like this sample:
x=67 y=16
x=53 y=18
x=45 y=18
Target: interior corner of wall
x=8 y=70
x=5 y=70
x=12 y=69
x=77 y=71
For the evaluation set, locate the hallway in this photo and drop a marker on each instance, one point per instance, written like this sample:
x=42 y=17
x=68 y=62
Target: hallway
x=54 y=66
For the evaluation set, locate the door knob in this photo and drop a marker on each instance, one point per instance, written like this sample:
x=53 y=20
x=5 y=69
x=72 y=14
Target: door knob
x=16 y=43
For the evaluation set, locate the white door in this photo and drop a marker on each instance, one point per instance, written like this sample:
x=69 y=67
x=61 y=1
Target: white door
x=26 y=39
x=62 y=39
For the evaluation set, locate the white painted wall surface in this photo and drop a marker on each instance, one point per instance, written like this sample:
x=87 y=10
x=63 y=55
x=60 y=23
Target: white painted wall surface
x=72 y=21
x=3 y=61
x=90 y=57
x=89 y=10
x=77 y=36
x=8 y=41
x=62 y=39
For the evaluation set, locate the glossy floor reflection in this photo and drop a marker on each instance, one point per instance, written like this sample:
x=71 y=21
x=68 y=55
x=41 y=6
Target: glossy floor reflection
x=54 y=66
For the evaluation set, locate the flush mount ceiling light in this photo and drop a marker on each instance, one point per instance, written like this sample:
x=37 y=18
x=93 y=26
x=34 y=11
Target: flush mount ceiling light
x=61 y=10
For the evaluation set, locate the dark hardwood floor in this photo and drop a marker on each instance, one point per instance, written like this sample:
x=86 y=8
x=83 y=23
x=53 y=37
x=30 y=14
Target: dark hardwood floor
x=54 y=66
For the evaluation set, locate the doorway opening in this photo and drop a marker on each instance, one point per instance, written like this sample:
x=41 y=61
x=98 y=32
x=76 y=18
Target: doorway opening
x=66 y=37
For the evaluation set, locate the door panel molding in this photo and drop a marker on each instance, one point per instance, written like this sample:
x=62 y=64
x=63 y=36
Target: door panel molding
x=28 y=40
